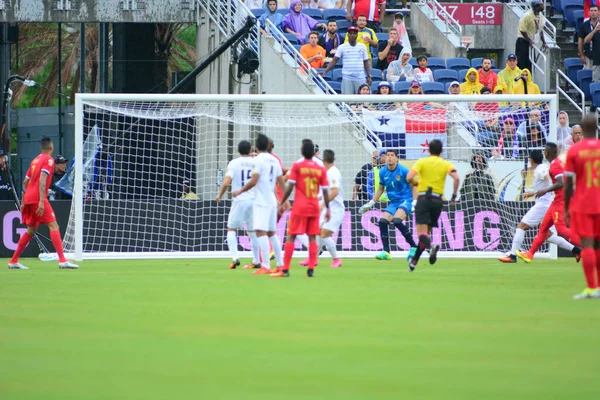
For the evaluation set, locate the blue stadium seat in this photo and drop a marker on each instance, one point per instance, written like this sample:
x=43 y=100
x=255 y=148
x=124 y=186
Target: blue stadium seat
x=342 y=23
x=293 y=39
x=384 y=74
x=334 y=13
x=413 y=62
x=257 y=12
x=297 y=47
x=402 y=87
x=382 y=36
x=476 y=62
x=374 y=87
x=462 y=74
x=557 y=5
x=447 y=86
x=433 y=88
x=569 y=7
x=328 y=76
x=445 y=75
x=313 y=12
x=496 y=70
x=572 y=65
x=578 y=16
x=376 y=75
x=457 y=63
x=337 y=86
x=434 y=63
x=584 y=80
x=595 y=93
x=336 y=74
x=283 y=11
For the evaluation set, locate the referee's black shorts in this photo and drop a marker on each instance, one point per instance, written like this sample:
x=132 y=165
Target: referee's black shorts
x=428 y=210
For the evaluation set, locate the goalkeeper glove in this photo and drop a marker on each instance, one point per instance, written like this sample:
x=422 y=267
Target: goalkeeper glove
x=414 y=204
x=366 y=207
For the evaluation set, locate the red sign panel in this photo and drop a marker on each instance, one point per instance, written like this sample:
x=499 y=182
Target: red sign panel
x=475 y=13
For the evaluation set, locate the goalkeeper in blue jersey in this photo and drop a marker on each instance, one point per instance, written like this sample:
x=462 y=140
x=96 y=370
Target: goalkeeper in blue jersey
x=392 y=178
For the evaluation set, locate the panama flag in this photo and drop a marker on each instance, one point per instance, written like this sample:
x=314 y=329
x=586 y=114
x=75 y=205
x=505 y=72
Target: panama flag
x=409 y=131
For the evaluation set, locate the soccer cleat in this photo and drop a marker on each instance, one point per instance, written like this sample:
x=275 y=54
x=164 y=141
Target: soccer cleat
x=525 y=256
x=16 y=266
x=280 y=274
x=577 y=253
x=310 y=272
x=336 y=263
x=262 y=271
x=433 y=253
x=509 y=258
x=234 y=264
x=587 y=293
x=272 y=255
x=305 y=263
x=251 y=266
x=67 y=265
x=411 y=264
x=384 y=255
x=411 y=253
x=276 y=269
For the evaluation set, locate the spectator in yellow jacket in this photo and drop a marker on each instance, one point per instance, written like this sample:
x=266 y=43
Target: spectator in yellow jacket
x=525 y=85
x=508 y=74
x=471 y=84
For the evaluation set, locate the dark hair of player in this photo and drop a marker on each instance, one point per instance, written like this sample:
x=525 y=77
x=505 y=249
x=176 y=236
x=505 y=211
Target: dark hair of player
x=262 y=142
x=394 y=151
x=435 y=147
x=552 y=147
x=244 y=147
x=589 y=125
x=45 y=143
x=328 y=156
x=536 y=156
x=308 y=149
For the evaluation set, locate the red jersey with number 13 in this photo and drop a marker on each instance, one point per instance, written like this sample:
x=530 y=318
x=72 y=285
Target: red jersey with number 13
x=309 y=178
x=42 y=163
x=557 y=168
x=583 y=160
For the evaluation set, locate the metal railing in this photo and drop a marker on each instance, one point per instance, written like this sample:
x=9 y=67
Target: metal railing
x=438 y=12
x=539 y=64
x=561 y=92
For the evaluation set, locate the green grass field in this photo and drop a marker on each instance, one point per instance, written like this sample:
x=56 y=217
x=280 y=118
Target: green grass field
x=175 y=329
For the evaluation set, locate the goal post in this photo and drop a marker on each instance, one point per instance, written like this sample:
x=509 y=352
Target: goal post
x=128 y=193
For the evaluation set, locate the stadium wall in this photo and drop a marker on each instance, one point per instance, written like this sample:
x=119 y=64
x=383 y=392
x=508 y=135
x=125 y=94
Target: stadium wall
x=430 y=37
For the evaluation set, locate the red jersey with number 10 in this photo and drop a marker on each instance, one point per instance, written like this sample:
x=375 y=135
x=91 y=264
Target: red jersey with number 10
x=583 y=160
x=42 y=163
x=557 y=169
x=309 y=177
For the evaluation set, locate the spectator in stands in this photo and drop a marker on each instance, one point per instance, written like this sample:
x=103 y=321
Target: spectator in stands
x=416 y=89
x=363 y=90
x=299 y=24
x=471 y=84
x=478 y=183
x=360 y=191
x=509 y=73
x=535 y=117
x=487 y=114
x=401 y=70
x=384 y=88
x=188 y=194
x=531 y=26
x=592 y=39
x=373 y=176
x=487 y=76
x=5 y=188
x=525 y=85
x=389 y=50
x=501 y=89
x=60 y=169
x=585 y=49
x=366 y=36
x=330 y=40
x=312 y=52
x=356 y=68
x=530 y=134
x=462 y=107
x=563 y=130
x=576 y=136
x=402 y=32
x=422 y=73
x=272 y=15
x=311 y=4
x=507 y=140
x=375 y=9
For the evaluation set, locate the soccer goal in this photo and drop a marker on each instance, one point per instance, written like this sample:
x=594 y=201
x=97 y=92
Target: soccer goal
x=148 y=167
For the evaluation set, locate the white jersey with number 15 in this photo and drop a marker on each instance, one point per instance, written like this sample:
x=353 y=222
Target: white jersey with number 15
x=268 y=169
x=240 y=172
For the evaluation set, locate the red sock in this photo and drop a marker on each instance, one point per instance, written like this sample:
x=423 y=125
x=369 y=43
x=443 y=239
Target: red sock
x=588 y=256
x=313 y=253
x=23 y=242
x=288 y=250
x=538 y=241
x=57 y=242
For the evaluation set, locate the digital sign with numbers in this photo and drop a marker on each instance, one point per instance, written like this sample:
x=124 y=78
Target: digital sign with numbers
x=475 y=13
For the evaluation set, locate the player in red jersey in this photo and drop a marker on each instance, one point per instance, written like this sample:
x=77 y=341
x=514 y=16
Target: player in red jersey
x=554 y=216
x=583 y=164
x=308 y=177
x=36 y=208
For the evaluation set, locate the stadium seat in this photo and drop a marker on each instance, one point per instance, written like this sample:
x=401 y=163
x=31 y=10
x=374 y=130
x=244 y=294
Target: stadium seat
x=569 y=7
x=476 y=62
x=434 y=63
x=342 y=23
x=336 y=74
x=556 y=5
x=462 y=74
x=402 y=87
x=496 y=70
x=313 y=12
x=433 y=88
x=376 y=75
x=445 y=75
x=337 y=86
x=293 y=39
x=572 y=65
x=342 y=32
x=584 y=80
x=328 y=76
x=257 y=12
x=334 y=14
x=382 y=36
x=447 y=87
x=297 y=47
x=457 y=64
x=283 y=11
x=595 y=94
x=413 y=62
x=374 y=87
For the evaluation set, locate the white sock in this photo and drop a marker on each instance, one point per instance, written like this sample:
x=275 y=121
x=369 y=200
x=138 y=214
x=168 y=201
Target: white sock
x=330 y=244
x=232 y=243
x=264 y=250
x=319 y=244
x=517 y=240
x=255 y=248
x=560 y=242
x=276 y=244
x=303 y=239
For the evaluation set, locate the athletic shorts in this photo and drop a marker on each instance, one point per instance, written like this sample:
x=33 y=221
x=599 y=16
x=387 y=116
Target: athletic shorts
x=535 y=215
x=555 y=217
x=394 y=206
x=240 y=212
x=428 y=210
x=30 y=218
x=586 y=225
x=265 y=218
x=302 y=224
x=334 y=223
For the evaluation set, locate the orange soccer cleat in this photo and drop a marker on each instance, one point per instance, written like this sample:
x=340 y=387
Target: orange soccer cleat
x=280 y=274
x=251 y=266
x=525 y=256
x=262 y=271
x=508 y=258
x=234 y=264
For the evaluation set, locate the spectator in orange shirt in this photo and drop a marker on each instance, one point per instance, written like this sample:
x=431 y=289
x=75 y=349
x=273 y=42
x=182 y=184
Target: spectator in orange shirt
x=312 y=52
x=487 y=76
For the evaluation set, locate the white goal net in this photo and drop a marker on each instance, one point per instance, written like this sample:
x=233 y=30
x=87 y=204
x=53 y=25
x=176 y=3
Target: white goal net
x=148 y=167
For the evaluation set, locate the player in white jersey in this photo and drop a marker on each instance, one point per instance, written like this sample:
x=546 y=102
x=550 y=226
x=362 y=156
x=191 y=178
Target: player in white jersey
x=535 y=215
x=266 y=173
x=336 y=204
x=238 y=174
